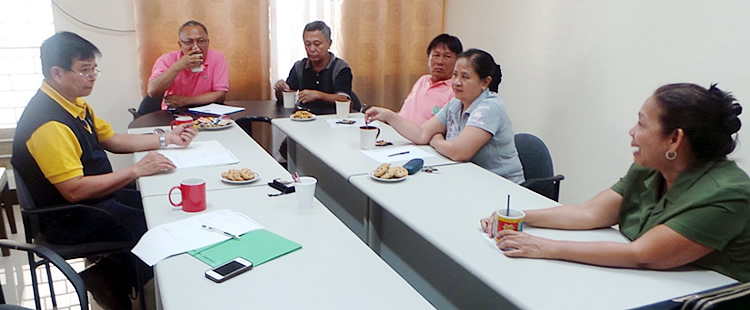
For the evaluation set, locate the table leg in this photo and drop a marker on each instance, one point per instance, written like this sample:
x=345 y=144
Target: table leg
x=3 y=233
x=7 y=204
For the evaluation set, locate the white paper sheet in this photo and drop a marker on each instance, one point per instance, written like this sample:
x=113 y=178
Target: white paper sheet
x=405 y=153
x=200 y=154
x=217 y=109
x=181 y=236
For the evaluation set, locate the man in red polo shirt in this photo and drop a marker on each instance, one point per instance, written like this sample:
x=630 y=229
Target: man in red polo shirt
x=195 y=75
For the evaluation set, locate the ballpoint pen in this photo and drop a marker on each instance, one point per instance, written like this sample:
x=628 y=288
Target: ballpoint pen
x=219 y=231
x=402 y=153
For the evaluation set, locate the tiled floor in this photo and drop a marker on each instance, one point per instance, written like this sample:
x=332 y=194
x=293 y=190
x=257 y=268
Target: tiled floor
x=16 y=279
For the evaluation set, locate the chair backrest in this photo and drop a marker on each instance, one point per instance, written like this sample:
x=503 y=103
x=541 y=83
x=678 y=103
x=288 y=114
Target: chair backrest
x=148 y=105
x=534 y=156
x=30 y=221
x=537 y=163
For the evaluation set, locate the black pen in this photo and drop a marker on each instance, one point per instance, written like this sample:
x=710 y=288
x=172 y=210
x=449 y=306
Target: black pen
x=402 y=153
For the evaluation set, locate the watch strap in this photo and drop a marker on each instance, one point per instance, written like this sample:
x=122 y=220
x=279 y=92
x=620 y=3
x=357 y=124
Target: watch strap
x=162 y=137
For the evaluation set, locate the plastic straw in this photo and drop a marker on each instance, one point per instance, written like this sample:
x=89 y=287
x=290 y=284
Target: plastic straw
x=507 y=212
x=295 y=177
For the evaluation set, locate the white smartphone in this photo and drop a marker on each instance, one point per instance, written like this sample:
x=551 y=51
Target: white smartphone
x=229 y=270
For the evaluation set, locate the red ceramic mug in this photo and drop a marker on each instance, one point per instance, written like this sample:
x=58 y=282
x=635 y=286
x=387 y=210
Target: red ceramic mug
x=193 y=192
x=181 y=120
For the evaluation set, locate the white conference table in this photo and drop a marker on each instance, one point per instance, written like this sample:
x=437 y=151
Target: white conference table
x=339 y=147
x=333 y=270
x=249 y=152
x=427 y=228
x=445 y=210
x=315 y=148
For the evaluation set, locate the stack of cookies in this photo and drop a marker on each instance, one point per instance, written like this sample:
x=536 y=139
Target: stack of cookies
x=386 y=171
x=243 y=174
x=302 y=114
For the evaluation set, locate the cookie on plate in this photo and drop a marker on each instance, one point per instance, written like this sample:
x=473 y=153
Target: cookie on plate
x=388 y=174
x=381 y=170
x=243 y=174
x=302 y=114
x=232 y=175
x=400 y=172
x=247 y=174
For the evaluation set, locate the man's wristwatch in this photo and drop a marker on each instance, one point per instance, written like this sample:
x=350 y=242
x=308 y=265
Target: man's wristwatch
x=162 y=136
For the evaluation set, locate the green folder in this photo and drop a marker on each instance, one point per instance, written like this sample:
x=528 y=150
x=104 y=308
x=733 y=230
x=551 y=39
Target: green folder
x=257 y=246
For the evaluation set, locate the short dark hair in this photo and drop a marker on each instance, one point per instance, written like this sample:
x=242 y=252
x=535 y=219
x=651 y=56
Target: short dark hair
x=319 y=25
x=192 y=23
x=63 y=48
x=484 y=65
x=709 y=117
x=453 y=43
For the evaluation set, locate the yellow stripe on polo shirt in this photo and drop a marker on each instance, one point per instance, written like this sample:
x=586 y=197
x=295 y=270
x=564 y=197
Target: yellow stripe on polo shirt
x=56 y=151
x=78 y=109
x=55 y=147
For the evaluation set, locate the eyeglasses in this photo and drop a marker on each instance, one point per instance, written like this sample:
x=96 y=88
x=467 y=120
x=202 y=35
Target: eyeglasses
x=200 y=42
x=89 y=73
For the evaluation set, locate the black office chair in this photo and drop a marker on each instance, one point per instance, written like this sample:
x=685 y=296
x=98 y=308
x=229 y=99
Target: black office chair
x=51 y=257
x=246 y=123
x=30 y=215
x=356 y=105
x=147 y=105
x=537 y=166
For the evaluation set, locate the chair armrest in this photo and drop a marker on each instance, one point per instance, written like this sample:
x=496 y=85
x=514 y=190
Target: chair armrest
x=556 y=178
x=58 y=208
x=56 y=260
x=133 y=112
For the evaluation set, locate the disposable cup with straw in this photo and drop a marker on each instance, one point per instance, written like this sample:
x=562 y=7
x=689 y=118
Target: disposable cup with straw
x=508 y=219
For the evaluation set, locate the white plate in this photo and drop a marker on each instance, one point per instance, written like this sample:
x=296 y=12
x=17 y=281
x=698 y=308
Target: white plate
x=372 y=176
x=302 y=119
x=257 y=177
x=217 y=127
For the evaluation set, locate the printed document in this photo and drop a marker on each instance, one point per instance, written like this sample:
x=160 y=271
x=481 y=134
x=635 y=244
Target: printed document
x=217 y=109
x=200 y=154
x=181 y=236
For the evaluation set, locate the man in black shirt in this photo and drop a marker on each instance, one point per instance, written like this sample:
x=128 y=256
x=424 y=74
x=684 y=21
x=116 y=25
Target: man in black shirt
x=321 y=78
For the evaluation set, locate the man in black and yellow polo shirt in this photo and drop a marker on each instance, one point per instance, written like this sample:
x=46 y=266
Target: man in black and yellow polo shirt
x=59 y=150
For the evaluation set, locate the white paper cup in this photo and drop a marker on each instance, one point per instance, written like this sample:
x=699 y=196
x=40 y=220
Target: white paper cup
x=290 y=98
x=367 y=137
x=305 y=191
x=342 y=109
x=198 y=68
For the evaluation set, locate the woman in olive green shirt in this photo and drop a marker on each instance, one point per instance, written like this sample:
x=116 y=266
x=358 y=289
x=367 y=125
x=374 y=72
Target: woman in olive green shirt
x=681 y=202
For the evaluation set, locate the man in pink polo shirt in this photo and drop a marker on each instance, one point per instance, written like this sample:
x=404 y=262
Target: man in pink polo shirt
x=432 y=91
x=192 y=76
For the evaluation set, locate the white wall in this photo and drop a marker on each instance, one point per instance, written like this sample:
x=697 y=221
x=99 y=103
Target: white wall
x=118 y=88
x=577 y=72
